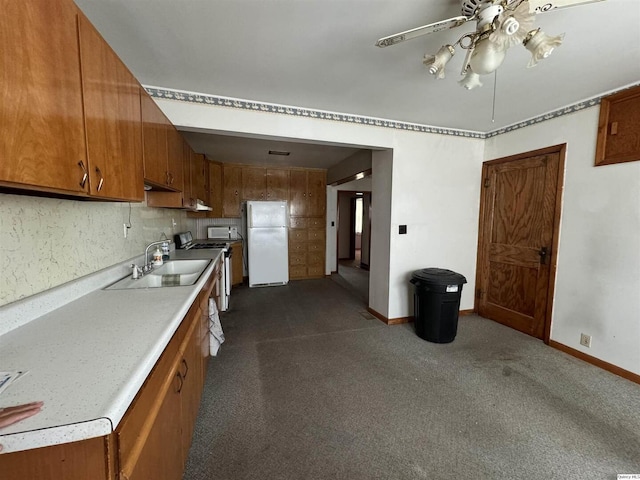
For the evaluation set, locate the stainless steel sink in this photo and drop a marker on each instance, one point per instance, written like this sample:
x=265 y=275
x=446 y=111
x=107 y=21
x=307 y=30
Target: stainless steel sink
x=174 y=273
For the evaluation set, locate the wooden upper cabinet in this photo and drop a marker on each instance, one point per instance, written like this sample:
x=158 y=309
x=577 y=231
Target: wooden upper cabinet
x=155 y=128
x=254 y=183
x=298 y=193
x=175 y=152
x=618 y=139
x=215 y=189
x=41 y=116
x=231 y=185
x=187 y=193
x=112 y=119
x=277 y=184
x=199 y=177
x=316 y=193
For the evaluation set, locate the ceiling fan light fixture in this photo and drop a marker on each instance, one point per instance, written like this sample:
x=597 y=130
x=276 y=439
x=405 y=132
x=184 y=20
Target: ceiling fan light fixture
x=540 y=45
x=512 y=26
x=437 y=62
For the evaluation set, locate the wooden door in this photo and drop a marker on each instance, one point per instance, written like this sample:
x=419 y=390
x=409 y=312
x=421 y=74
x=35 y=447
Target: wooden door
x=154 y=134
x=231 y=183
x=41 y=117
x=297 y=193
x=519 y=218
x=215 y=190
x=254 y=183
x=277 y=184
x=112 y=119
x=317 y=192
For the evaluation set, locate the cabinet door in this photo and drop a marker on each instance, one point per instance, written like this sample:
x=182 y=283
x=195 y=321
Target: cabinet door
x=112 y=119
x=191 y=374
x=237 y=264
x=317 y=193
x=277 y=184
x=175 y=152
x=231 y=180
x=199 y=174
x=254 y=183
x=41 y=116
x=297 y=193
x=154 y=135
x=187 y=194
x=215 y=190
x=161 y=457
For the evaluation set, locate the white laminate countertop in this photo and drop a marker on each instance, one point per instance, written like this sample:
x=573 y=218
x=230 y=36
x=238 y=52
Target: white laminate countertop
x=87 y=359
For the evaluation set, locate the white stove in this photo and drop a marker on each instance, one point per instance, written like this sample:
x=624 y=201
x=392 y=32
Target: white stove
x=185 y=241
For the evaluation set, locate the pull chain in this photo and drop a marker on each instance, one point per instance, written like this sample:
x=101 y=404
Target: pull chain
x=495 y=81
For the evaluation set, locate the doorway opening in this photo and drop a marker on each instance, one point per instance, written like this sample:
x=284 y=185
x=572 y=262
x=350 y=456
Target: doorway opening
x=354 y=241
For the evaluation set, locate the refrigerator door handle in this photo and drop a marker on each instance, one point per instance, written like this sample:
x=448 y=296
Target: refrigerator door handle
x=249 y=216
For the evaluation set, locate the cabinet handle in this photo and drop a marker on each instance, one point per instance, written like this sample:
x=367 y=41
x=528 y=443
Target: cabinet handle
x=166 y=178
x=236 y=192
x=171 y=178
x=181 y=382
x=186 y=368
x=101 y=182
x=85 y=174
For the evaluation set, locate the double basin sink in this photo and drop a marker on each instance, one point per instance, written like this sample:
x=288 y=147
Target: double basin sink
x=174 y=273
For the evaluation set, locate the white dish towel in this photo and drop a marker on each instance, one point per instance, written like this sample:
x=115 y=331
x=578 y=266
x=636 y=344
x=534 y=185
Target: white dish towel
x=216 y=337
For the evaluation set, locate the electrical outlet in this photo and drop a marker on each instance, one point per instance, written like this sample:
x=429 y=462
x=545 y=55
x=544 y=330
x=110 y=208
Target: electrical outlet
x=585 y=340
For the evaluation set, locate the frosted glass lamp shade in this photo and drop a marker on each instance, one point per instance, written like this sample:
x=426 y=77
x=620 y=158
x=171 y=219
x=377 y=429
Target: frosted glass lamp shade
x=437 y=62
x=541 y=45
x=486 y=57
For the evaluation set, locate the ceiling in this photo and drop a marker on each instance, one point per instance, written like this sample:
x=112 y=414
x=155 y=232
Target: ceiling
x=320 y=54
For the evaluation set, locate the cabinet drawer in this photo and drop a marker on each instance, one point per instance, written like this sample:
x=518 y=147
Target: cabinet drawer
x=297 y=271
x=297 y=259
x=315 y=223
x=318 y=235
x=298 y=248
x=315 y=259
x=315 y=246
x=297 y=222
x=297 y=235
x=315 y=271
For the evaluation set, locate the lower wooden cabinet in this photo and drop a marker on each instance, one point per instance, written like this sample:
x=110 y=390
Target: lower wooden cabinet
x=152 y=440
x=237 y=264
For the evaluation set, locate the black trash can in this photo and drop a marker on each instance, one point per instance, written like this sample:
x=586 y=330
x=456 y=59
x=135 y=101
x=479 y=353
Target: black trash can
x=437 y=303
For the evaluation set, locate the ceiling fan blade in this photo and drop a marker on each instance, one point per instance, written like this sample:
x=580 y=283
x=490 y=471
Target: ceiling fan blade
x=419 y=31
x=541 y=6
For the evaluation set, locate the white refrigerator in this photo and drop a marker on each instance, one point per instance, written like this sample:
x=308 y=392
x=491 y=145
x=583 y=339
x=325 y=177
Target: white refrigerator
x=267 y=243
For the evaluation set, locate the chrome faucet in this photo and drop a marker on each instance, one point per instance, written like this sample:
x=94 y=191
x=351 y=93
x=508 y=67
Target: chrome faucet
x=139 y=272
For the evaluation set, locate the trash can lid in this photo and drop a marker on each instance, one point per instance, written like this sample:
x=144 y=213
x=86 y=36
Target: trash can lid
x=438 y=276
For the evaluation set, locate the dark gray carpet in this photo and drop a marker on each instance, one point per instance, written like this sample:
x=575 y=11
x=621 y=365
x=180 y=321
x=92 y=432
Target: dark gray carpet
x=307 y=387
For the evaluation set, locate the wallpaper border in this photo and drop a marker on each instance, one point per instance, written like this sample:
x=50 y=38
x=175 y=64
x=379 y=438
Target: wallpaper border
x=229 y=102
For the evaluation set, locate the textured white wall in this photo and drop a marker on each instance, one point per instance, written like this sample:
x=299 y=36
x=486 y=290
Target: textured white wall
x=429 y=182
x=47 y=242
x=598 y=275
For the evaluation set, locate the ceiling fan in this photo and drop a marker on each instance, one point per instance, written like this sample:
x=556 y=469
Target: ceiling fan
x=500 y=24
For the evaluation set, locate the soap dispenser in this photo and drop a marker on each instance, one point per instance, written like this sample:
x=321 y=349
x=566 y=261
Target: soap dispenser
x=157 y=258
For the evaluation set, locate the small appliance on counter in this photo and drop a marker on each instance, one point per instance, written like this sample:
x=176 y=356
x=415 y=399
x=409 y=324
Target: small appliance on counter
x=184 y=241
x=230 y=233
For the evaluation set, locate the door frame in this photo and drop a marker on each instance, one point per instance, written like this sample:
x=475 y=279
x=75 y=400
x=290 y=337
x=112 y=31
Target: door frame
x=561 y=149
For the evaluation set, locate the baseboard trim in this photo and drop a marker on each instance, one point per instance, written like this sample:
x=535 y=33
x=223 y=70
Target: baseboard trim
x=401 y=320
x=632 y=377
x=464 y=313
